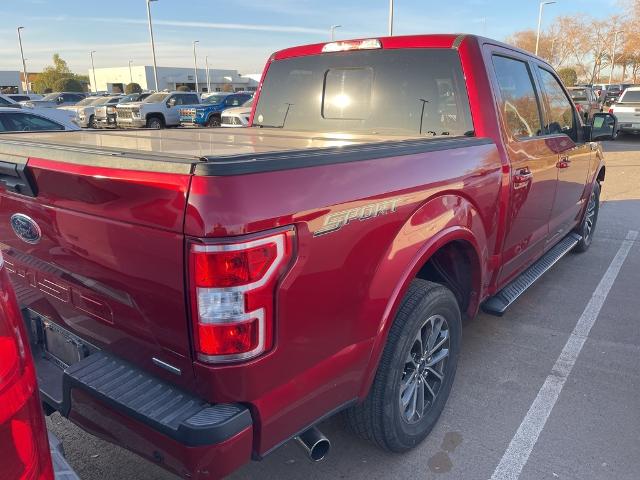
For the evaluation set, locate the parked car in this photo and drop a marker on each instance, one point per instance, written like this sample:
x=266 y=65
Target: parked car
x=23 y=97
x=585 y=100
x=613 y=92
x=627 y=111
x=105 y=115
x=86 y=115
x=158 y=110
x=28 y=120
x=7 y=101
x=237 y=116
x=56 y=99
x=208 y=113
x=210 y=296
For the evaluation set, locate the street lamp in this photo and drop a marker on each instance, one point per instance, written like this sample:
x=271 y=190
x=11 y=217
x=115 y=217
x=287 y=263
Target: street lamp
x=24 y=64
x=390 y=18
x=130 y=74
x=153 y=46
x=93 y=69
x=206 y=62
x=332 y=31
x=195 y=62
x=542 y=4
x=613 y=54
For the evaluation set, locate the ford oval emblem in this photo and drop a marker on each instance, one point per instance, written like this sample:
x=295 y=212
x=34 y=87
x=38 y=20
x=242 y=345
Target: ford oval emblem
x=26 y=228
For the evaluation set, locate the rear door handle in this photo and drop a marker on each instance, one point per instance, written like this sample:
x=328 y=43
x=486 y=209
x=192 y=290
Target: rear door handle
x=564 y=162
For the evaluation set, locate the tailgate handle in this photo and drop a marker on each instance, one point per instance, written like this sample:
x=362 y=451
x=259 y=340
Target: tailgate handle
x=16 y=178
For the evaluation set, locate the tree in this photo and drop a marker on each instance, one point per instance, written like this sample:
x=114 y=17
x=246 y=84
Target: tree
x=67 y=85
x=183 y=88
x=132 y=88
x=51 y=74
x=568 y=76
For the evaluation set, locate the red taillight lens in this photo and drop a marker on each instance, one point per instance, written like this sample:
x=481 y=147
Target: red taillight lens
x=611 y=111
x=578 y=107
x=23 y=441
x=234 y=268
x=233 y=293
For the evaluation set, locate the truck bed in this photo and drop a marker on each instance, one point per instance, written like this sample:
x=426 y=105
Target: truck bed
x=215 y=151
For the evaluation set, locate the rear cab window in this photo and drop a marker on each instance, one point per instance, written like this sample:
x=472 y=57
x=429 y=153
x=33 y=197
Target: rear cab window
x=388 y=91
x=630 y=96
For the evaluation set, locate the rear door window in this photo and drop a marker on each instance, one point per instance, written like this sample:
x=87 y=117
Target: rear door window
x=417 y=92
x=518 y=100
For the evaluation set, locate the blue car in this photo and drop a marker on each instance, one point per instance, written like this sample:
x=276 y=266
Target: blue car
x=208 y=113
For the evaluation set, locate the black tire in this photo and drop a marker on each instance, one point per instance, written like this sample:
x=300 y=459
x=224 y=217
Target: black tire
x=381 y=418
x=214 y=121
x=155 y=122
x=92 y=122
x=588 y=226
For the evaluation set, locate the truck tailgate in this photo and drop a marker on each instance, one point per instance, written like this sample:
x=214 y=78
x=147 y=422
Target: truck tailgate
x=99 y=252
x=627 y=113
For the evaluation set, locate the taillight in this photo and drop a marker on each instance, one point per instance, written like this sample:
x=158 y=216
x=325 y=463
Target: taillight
x=233 y=289
x=611 y=111
x=23 y=440
x=578 y=107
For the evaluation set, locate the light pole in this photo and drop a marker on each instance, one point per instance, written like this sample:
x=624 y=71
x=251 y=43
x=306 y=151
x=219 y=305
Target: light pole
x=24 y=64
x=332 y=31
x=391 y=18
x=153 y=46
x=195 y=63
x=613 y=54
x=206 y=62
x=93 y=69
x=542 y=4
x=130 y=74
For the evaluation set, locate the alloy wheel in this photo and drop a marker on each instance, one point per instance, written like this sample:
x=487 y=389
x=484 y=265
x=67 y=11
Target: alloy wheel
x=424 y=369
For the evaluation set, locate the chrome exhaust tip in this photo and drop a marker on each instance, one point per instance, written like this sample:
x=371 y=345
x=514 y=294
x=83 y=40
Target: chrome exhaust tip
x=314 y=443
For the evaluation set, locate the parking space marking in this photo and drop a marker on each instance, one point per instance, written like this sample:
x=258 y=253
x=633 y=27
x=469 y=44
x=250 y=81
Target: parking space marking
x=526 y=437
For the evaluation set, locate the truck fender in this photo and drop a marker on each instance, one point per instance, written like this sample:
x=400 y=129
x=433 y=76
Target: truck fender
x=438 y=222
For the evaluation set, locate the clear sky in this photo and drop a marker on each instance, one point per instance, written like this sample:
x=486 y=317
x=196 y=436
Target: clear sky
x=241 y=34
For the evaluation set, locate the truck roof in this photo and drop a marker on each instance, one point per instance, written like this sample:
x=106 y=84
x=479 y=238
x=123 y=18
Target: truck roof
x=174 y=150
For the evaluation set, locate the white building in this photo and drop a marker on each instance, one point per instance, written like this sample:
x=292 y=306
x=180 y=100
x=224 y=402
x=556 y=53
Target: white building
x=10 y=79
x=169 y=78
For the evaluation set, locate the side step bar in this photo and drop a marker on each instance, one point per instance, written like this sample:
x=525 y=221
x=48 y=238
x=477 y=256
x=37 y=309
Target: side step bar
x=499 y=303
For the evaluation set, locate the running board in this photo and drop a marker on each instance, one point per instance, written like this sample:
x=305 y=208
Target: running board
x=499 y=303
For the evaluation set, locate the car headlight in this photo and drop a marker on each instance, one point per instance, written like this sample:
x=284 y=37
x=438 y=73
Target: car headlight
x=135 y=113
x=199 y=113
x=111 y=109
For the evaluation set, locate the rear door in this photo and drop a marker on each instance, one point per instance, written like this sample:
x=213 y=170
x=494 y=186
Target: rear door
x=564 y=134
x=533 y=162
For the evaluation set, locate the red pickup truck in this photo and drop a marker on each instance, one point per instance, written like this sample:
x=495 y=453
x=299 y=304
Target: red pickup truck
x=202 y=297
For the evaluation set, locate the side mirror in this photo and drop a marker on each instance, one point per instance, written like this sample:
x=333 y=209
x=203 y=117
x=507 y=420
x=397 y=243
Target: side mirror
x=604 y=126
x=171 y=102
x=59 y=100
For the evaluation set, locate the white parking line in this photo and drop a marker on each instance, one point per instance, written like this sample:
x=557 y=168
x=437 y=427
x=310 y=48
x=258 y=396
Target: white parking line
x=522 y=443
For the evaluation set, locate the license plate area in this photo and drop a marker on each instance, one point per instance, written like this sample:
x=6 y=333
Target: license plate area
x=58 y=344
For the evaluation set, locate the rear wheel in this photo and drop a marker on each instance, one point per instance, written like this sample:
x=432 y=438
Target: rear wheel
x=588 y=226
x=155 y=123
x=416 y=371
x=92 y=122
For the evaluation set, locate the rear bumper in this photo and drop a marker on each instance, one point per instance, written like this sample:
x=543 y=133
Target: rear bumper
x=114 y=399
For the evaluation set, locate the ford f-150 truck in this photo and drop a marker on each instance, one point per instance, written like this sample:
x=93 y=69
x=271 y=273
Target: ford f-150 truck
x=202 y=297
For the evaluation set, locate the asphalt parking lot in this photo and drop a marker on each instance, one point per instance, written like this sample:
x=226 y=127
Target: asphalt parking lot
x=517 y=402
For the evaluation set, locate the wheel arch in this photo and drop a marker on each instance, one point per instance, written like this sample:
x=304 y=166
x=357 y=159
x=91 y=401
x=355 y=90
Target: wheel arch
x=448 y=225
